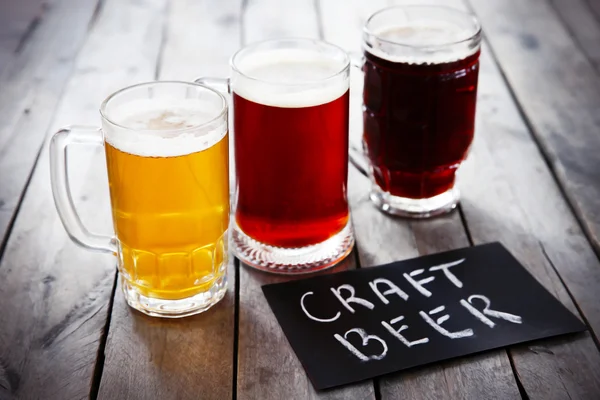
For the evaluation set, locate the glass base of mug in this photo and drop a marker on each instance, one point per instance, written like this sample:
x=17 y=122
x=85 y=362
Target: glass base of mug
x=174 y=308
x=300 y=260
x=415 y=208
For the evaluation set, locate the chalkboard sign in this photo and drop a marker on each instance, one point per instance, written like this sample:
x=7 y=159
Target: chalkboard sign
x=354 y=325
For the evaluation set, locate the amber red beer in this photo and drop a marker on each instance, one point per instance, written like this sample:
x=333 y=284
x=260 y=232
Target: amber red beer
x=290 y=123
x=291 y=171
x=421 y=66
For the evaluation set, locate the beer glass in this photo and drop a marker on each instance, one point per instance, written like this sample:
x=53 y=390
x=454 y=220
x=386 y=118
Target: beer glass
x=290 y=124
x=166 y=146
x=420 y=70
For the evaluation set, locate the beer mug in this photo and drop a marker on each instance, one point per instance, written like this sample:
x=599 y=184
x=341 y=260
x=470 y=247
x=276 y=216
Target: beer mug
x=290 y=125
x=166 y=146
x=420 y=67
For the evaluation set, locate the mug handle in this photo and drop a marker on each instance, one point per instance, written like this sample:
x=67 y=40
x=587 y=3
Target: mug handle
x=357 y=155
x=220 y=84
x=61 y=190
x=223 y=86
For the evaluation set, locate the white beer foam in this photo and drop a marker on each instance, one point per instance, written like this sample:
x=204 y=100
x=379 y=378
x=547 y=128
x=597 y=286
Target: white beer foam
x=422 y=42
x=290 y=78
x=165 y=127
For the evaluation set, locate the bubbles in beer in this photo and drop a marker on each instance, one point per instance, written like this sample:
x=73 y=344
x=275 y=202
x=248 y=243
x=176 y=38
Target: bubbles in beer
x=164 y=128
x=290 y=78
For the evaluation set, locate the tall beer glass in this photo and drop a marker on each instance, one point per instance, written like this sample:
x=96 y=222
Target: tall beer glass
x=166 y=149
x=420 y=86
x=290 y=122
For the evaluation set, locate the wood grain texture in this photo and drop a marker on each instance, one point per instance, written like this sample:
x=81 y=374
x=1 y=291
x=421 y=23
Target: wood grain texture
x=558 y=90
x=268 y=19
x=510 y=196
x=583 y=25
x=595 y=6
x=31 y=83
x=506 y=188
x=520 y=179
x=508 y=168
x=150 y=358
x=201 y=38
x=18 y=19
x=153 y=358
x=383 y=239
x=267 y=366
x=56 y=295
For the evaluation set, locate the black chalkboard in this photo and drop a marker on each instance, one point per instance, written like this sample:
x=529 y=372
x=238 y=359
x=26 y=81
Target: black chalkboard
x=414 y=312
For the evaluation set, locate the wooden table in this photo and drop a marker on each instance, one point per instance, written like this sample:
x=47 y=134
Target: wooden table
x=532 y=182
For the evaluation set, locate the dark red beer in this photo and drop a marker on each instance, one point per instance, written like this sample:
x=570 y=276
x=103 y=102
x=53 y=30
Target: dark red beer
x=291 y=167
x=418 y=122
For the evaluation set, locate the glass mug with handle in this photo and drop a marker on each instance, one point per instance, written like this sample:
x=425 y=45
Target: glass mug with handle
x=420 y=66
x=166 y=146
x=290 y=126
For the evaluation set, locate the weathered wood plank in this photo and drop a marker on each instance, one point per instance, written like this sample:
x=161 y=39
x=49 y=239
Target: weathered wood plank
x=31 y=84
x=543 y=374
x=522 y=181
x=149 y=358
x=595 y=6
x=547 y=369
x=526 y=173
x=558 y=90
x=152 y=358
x=200 y=39
x=18 y=19
x=511 y=196
x=382 y=239
x=268 y=19
x=583 y=25
x=56 y=295
x=267 y=365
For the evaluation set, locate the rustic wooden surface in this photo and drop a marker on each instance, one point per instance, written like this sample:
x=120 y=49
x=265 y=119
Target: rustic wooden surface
x=31 y=83
x=532 y=181
x=583 y=26
x=559 y=92
x=19 y=19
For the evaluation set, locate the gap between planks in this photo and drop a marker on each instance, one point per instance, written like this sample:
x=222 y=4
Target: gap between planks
x=38 y=72
x=543 y=148
x=99 y=367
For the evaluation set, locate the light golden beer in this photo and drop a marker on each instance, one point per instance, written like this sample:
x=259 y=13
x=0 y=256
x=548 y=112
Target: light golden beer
x=167 y=153
x=171 y=215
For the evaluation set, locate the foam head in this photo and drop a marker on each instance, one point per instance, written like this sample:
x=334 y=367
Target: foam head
x=422 y=35
x=164 y=127
x=290 y=77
